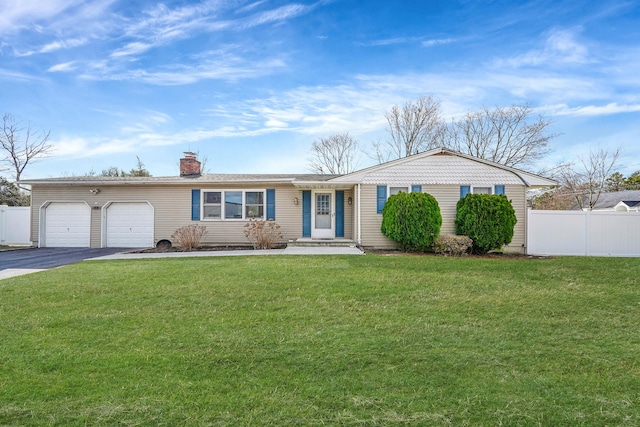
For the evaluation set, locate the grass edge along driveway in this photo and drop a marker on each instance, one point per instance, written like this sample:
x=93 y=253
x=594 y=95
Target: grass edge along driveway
x=373 y=340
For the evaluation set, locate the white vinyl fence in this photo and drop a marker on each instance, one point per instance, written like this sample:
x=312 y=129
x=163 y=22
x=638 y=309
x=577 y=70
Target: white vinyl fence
x=595 y=233
x=15 y=225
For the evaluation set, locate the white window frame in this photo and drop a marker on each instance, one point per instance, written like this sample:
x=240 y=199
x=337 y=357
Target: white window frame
x=491 y=188
x=223 y=192
x=406 y=187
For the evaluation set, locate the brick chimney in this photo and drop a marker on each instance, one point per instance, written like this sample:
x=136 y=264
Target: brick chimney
x=189 y=165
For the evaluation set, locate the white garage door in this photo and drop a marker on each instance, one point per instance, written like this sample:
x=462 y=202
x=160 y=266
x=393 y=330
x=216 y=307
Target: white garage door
x=67 y=225
x=129 y=225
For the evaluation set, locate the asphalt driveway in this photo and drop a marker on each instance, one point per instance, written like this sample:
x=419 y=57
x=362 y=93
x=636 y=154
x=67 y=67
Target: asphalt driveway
x=44 y=258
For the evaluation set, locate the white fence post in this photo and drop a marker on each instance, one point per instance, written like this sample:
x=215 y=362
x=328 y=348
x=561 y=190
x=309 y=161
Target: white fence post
x=587 y=232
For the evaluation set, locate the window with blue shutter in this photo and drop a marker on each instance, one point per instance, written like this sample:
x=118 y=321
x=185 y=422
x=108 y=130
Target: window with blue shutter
x=306 y=213
x=271 y=203
x=381 y=197
x=464 y=190
x=416 y=188
x=195 y=205
x=498 y=189
x=339 y=213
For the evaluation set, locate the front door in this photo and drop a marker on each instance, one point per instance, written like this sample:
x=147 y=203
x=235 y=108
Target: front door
x=323 y=216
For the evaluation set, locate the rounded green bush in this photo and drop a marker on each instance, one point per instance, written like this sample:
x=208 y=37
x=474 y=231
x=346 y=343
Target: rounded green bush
x=488 y=220
x=413 y=219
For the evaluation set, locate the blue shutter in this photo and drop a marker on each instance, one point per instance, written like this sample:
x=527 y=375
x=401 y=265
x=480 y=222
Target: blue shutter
x=339 y=213
x=416 y=188
x=306 y=213
x=271 y=203
x=382 y=197
x=195 y=205
x=498 y=189
x=464 y=190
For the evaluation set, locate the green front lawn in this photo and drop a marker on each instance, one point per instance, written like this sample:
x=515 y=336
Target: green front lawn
x=354 y=340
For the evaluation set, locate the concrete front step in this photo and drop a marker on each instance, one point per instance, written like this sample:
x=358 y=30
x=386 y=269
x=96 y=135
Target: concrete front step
x=307 y=242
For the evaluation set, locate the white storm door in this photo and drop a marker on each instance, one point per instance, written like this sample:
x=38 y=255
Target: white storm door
x=323 y=216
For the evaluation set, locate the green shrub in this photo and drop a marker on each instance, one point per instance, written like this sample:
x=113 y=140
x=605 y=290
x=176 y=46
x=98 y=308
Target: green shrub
x=413 y=219
x=488 y=220
x=452 y=245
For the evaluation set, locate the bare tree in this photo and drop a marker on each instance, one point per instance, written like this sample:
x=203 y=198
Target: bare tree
x=204 y=162
x=414 y=127
x=588 y=180
x=510 y=136
x=559 y=198
x=21 y=145
x=335 y=154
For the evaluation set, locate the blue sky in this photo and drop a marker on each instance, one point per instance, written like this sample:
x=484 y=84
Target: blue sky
x=250 y=84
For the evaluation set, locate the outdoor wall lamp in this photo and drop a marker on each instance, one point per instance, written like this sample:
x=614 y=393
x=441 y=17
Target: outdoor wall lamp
x=94 y=191
x=350 y=201
x=295 y=200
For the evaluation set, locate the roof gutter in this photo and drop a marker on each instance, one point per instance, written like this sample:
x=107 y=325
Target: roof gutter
x=184 y=181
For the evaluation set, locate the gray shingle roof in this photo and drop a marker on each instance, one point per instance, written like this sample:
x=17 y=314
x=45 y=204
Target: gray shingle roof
x=609 y=200
x=444 y=166
x=204 y=178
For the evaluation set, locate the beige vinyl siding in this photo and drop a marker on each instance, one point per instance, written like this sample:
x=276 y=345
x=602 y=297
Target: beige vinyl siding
x=518 y=196
x=172 y=209
x=447 y=197
x=371 y=220
x=349 y=215
x=288 y=214
x=172 y=205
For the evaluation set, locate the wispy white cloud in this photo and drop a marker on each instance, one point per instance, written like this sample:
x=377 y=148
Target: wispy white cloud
x=280 y=14
x=592 y=110
x=391 y=41
x=424 y=42
x=133 y=48
x=160 y=25
x=16 y=75
x=63 y=67
x=250 y=7
x=225 y=67
x=148 y=122
x=561 y=47
x=17 y=14
x=436 y=42
x=53 y=46
x=310 y=111
x=80 y=147
x=63 y=44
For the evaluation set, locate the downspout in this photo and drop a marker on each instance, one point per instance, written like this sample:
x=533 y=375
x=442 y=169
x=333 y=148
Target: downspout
x=527 y=217
x=359 y=221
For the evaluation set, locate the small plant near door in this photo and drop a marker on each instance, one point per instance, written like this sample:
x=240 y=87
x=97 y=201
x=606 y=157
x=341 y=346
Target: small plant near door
x=263 y=234
x=452 y=245
x=189 y=237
